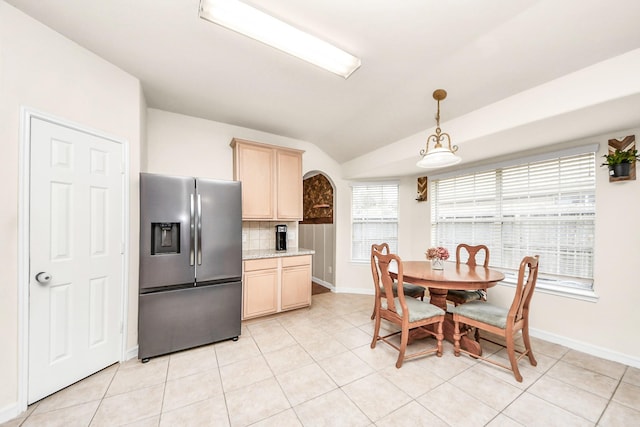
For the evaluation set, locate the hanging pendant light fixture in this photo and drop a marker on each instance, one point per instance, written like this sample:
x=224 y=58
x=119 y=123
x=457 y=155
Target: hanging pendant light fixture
x=439 y=156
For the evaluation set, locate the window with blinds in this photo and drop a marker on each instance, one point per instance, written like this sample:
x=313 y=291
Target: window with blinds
x=544 y=208
x=374 y=218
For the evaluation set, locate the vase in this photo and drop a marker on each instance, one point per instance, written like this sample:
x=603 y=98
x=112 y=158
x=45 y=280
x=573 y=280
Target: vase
x=437 y=264
x=621 y=169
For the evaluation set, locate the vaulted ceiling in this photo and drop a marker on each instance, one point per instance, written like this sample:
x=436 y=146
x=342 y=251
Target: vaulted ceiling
x=481 y=52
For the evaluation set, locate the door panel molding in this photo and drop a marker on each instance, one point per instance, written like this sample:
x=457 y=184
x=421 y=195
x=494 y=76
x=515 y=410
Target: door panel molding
x=24 y=171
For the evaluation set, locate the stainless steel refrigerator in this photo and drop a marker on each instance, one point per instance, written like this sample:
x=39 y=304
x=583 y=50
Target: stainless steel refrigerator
x=190 y=263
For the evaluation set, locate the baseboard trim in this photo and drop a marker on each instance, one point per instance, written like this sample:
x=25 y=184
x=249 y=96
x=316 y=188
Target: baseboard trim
x=323 y=283
x=9 y=412
x=132 y=353
x=358 y=291
x=584 y=347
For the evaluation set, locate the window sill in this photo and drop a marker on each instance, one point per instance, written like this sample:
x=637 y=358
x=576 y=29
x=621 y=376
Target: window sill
x=555 y=287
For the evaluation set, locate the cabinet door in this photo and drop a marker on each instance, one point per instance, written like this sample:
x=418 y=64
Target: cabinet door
x=296 y=287
x=260 y=293
x=255 y=168
x=289 y=185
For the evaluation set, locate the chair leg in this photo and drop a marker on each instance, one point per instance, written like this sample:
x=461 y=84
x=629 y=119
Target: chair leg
x=376 y=330
x=439 y=338
x=512 y=357
x=456 y=338
x=403 y=346
x=527 y=345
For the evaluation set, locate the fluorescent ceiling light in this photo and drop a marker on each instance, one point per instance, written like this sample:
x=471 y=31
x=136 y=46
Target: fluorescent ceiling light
x=256 y=24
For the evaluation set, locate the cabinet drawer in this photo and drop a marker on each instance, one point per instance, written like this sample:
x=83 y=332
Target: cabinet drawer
x=260 y=264
x=291 y=261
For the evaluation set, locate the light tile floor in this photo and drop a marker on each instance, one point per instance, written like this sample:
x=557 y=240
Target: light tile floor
x=314 y=367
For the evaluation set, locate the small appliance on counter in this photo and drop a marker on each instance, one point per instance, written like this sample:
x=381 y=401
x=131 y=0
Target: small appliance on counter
x=281 y=237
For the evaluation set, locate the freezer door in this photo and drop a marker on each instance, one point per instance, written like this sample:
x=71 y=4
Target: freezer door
x=167 y=249
x=219 y=230
x=179 y=319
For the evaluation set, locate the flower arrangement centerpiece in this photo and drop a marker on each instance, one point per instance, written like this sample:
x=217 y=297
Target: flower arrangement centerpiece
x=437 y=256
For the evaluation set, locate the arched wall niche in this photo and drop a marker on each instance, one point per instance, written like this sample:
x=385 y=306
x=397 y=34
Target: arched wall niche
x=317 y=229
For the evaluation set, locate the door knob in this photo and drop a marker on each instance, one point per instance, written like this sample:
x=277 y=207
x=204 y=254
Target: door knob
x=43 y=278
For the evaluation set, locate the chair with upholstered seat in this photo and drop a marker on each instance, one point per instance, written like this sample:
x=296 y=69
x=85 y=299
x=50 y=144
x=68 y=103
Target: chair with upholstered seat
x=504 y=322
x=407 y=313
x=458 y=297
x=413 y=291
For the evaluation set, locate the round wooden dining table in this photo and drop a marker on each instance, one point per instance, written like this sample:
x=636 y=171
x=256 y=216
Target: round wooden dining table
x=439 y=282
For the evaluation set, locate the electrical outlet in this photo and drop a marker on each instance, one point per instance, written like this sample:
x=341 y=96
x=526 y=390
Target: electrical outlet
x=330 y=269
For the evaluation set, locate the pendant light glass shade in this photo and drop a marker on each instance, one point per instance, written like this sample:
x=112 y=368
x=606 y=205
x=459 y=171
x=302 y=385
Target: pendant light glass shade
x=440 y=155
x=438 y=158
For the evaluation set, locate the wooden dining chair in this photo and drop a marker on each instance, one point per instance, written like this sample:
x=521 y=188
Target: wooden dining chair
x=408 y=313
x=413 y=291
x=458 y=297
x=500 y=321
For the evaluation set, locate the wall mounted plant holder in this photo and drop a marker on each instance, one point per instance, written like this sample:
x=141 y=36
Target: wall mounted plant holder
x=422 y=189
x=627 y=143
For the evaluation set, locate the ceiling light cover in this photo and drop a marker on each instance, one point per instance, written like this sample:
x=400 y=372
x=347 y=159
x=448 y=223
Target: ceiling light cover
x=251 y=22
x=439 y=156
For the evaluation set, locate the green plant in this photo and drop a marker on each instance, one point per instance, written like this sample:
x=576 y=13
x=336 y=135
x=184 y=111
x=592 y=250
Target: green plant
x=620 y=156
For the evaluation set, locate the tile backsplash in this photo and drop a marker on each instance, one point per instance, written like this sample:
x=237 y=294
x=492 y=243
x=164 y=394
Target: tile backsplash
x=262 y=234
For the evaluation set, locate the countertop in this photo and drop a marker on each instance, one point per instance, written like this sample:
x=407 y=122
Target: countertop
x=272 y=253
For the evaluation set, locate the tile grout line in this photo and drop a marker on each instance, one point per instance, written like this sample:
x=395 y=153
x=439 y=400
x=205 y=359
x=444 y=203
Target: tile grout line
x=164 y=390
x=283 y=321
x=104 y=395
x=224 y=394
x=612 y=395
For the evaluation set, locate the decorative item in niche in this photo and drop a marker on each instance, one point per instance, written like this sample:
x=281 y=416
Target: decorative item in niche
x=317 y=200
x=422 y=189
x=622 y=154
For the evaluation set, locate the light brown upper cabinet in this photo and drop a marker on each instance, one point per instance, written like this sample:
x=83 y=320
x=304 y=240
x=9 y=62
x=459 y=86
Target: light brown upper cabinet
x=271 y=180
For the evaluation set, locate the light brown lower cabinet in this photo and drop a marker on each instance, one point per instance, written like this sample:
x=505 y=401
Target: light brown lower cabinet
x=295 y=286
x=260 y=287
x=271 y=285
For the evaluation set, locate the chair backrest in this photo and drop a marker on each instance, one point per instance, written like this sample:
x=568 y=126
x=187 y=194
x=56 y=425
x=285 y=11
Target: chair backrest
x=381 y=260
x=382 y=248
x=472 y=251
x=527 y=278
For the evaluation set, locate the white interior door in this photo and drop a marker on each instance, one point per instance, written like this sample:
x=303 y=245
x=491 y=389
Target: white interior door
x=76 y=240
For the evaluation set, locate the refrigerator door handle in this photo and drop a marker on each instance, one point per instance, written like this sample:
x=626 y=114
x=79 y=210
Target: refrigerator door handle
x=199 y=233
x=192 y=232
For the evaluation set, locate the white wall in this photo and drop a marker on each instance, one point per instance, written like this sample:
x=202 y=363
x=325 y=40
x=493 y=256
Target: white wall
x=42 y=70
x=594 y=327
x=607 y=327
x=184 y=145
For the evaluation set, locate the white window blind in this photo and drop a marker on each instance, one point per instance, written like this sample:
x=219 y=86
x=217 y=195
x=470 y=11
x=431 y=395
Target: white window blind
x=544 y=208
x=374 y=218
